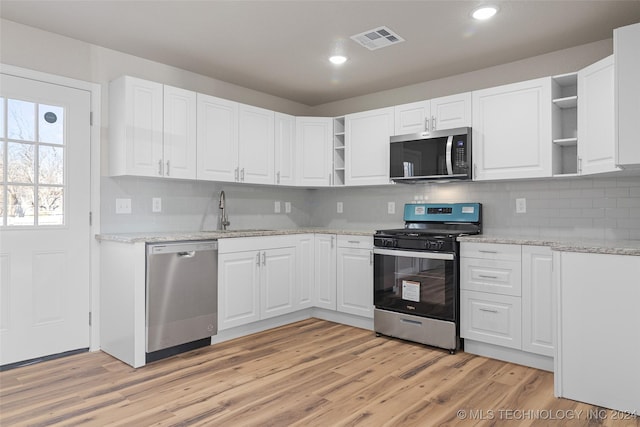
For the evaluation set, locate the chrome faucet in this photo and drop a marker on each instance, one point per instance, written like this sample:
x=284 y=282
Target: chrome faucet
x=224 y=220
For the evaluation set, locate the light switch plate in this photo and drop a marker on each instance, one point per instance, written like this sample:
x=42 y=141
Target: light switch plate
x=156 y=204
x=123 y=206
x=391 y=208
x=339 y=207
x=276 y=206
x=521 y=205
x=287 y=207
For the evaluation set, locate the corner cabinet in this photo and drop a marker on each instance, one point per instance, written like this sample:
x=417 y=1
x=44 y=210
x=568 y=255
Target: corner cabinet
x=152 y=129
x=626 y=45
x=512 y=131
x=314 y=136
x=367 y=138
x=447 y=112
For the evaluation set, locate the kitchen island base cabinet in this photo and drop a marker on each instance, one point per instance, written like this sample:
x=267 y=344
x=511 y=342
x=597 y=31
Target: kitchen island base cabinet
x=598 y=339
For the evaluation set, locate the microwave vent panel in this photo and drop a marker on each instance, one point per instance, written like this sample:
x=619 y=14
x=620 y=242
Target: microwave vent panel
x=377 y=38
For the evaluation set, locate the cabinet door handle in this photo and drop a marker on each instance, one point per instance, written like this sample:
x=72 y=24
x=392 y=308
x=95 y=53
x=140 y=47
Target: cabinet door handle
x=486 y=310
x=484 y=251
x=475 y=171
x=484 y=276
x=370 y=257
x=426 y=124
x=355 y=242
x=433 y=122
x=579 y=165
x=236 y=174
x=242 y=174
x=332 y=238
x=160 y=168
x=264 y=258
x=278 y=178
x=167 y=167
x=258 y=259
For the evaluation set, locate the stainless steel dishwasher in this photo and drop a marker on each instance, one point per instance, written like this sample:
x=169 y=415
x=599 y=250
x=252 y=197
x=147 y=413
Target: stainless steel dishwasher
x=181 y=295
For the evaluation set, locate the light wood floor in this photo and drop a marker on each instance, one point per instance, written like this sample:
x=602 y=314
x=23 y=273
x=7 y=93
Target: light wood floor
x=310 y=373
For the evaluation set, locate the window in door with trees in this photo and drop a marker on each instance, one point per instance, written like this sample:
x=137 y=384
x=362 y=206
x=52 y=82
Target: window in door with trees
x=32 y=165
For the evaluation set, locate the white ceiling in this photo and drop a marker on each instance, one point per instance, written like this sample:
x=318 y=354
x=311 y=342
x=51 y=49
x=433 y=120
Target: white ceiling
x=281 y=47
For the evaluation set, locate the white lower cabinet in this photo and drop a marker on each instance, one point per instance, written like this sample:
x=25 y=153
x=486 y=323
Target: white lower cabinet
x=355 y=275
x=324 y=291
x=491 y=318
x=507 y=302
x=538 y=300
x=255 y=284
x=598 y=345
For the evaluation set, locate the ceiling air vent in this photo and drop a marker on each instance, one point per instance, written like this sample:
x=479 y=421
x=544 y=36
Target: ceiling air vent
x=377 y=38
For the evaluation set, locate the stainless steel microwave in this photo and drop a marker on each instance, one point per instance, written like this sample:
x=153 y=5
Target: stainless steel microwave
x=437 y=155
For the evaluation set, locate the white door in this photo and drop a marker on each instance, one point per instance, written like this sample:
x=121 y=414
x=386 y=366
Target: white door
x=412 y=118
x=285 y=149
x=44 y=224
x=450 y=112
x=325 y=270
x=238 y=289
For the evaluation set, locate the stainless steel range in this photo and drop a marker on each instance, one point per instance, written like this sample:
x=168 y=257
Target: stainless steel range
x=416 y=273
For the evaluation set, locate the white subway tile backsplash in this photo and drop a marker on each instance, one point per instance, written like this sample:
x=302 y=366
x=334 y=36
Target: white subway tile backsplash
x=580 y=207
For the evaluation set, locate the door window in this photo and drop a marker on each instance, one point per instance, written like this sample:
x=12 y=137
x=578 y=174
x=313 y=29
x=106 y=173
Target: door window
x=32 y=164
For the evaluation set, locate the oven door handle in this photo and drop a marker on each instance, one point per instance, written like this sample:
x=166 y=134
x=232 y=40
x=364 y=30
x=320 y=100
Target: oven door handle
x=414 y=254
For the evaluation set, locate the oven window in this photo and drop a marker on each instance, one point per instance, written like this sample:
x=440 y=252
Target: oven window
x=419 y=286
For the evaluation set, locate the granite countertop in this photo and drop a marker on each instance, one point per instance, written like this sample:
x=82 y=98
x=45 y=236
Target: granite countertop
x=613 y=247
x=151 y=237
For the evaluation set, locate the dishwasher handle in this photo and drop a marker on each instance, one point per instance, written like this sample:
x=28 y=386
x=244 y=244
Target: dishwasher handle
x=186 y=254
x=182 y=249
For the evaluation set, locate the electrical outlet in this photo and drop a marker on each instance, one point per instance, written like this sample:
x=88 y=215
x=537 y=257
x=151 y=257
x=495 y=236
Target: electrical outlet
x=339 y=207
x=156 y=204
x=123 y=206
x=391 y=208
x=287 y=207
x=276 y=206
x=521 y=205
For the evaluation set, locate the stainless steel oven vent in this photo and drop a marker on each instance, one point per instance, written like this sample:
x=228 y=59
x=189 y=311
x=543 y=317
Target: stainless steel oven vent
x=377 y=38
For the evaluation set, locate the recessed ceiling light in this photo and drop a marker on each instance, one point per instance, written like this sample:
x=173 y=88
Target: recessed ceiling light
x=484 y=12
x=338 y=59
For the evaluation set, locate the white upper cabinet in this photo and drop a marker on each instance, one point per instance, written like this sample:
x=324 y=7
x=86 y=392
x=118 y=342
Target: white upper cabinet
x=596 y=118
x=512 y=131
x=314 y=144
x=414 y=117
x=285 y=143
x=367 y=146
x=448 y=112
x=626 y=48
x=256 y=145
x=217 y=139
x=152 y=129
x=136 y=127
x=179 y=146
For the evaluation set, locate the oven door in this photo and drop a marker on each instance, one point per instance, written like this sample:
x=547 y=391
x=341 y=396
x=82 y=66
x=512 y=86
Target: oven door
x=416 y=282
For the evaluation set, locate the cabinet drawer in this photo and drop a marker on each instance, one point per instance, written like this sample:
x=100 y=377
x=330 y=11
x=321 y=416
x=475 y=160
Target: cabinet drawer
x=497 y=277
x=358 y=242
x=489 y=318
x=495 y=251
